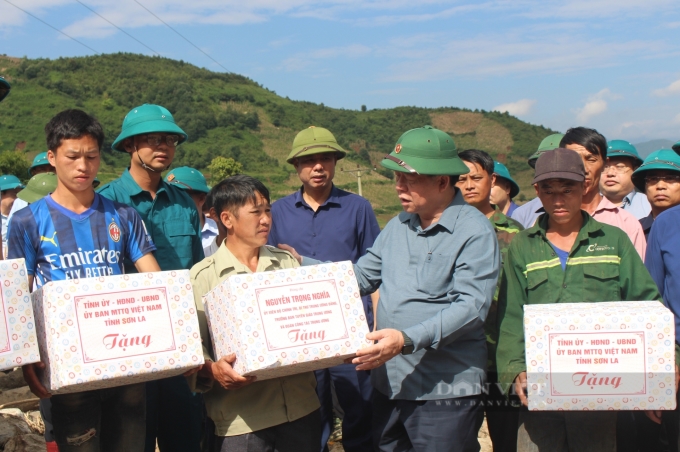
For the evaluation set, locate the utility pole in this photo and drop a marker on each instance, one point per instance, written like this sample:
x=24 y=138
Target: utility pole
x=357 y=173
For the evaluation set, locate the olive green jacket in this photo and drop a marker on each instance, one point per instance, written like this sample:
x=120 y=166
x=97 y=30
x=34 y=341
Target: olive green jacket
x=602 y=266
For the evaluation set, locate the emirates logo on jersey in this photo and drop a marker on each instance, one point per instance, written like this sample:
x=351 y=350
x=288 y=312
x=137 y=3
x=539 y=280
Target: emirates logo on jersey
x=114 y=232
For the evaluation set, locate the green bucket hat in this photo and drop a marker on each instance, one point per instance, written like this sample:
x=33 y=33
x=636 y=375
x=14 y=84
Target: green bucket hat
x=4 y=88
x=10 y=182
x=622 y=148
x=148 y=118
x=38 y=187
x=548 y=144
x=187 y=178
x=501 y=171
x=663 y=159
x=425 y=150
x=38 y=160
x=676 y=147
x=314 y=140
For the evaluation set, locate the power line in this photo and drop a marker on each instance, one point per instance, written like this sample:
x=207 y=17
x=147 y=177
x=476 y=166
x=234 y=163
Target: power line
x=54 y=28
x=116 y=26
x=180 y=35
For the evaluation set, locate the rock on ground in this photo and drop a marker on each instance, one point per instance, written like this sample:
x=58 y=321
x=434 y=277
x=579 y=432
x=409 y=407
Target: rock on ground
x=10 y=427
x=26 y=443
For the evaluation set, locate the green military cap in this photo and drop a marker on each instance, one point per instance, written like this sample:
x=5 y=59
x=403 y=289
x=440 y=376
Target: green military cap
x=38 y=160
x=188 y=179
x=676 y=147
x=314 y=140
x=10 y=182
x=501 y=171
x=663 y=159
x=425 y=150
x=148 y=118
x=548 y=144
x=4 y=88
x=38 y=187
x=622 y=148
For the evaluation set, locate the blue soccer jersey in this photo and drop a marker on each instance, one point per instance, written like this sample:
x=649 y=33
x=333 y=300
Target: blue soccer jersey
x=60 y=244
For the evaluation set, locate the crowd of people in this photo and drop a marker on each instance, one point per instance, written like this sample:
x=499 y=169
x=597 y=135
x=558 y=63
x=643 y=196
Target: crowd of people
x=444 y=284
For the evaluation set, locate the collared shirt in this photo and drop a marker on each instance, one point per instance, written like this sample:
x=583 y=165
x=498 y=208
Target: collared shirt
x=609 y=213
x=342 y=228
x=527 y=213
x=663 y=263
x=646 y=224
x=208 y=235
x=170 y=218
x=512 y=208
x=436 y=285
x=506 y=229
x=602 y=266
x=637 y=204
x=261 y=404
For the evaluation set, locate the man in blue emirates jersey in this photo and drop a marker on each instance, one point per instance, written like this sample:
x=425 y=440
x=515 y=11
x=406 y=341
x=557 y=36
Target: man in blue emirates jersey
x=76 y=233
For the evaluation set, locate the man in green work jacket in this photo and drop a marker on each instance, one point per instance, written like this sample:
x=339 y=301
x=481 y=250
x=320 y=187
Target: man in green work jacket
x=501 y=415
x=150 y=135
x=566 y=257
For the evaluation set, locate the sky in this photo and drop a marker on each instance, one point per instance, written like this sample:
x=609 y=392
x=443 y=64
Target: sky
x=609 y=64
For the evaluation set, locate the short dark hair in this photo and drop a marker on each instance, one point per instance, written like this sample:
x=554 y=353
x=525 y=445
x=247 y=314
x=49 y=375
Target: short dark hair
x=235 y=192
x=590 y=139
x=478 y=157
x=72 y=124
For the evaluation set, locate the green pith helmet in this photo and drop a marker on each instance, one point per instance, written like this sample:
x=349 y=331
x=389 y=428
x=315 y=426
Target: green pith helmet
x=425 y=150
x=622 y=148
x=38 y=187
x=4 y=88
x=9 y=182
x=663 y=159
x=38 y=160
x=148 y=118
x=676 y=147
x=501 y=171
x=314 y=140
x=187 y=178
x=548 y=144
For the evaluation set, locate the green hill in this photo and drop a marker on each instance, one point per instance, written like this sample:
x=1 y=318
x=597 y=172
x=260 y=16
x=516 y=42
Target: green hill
x=230 y=115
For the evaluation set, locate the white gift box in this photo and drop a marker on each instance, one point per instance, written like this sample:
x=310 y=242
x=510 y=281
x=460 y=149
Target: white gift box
x=18 y=337
x=289 y=321
x=116 y=330
x=600 y=356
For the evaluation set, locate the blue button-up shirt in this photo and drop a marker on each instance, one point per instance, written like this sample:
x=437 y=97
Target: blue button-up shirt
x=436 y=285
x=528 y=213
x=342 y=228
x=637 y=204
x=663 y=260
x=171 y=220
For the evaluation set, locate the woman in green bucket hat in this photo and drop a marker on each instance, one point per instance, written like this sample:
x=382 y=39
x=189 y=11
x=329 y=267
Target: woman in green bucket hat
x=504 y=189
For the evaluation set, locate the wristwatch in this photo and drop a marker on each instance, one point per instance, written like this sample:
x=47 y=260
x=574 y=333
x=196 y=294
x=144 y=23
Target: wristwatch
x=407 y=349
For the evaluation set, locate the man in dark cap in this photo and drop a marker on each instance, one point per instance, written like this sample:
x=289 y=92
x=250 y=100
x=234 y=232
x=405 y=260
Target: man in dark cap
x=566 y=257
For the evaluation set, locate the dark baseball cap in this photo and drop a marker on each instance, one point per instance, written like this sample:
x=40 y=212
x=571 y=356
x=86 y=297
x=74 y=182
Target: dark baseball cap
x=559 y=164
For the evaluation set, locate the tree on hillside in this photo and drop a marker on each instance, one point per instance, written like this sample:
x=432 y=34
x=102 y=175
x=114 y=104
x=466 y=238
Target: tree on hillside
x=222 y=167
x=14 y=162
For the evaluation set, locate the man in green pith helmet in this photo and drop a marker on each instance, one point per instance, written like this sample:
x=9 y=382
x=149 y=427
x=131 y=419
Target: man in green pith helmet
x=151 y=136
x=616 y=183
x=527 y=213
x=327 y=223
x=436 y=265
